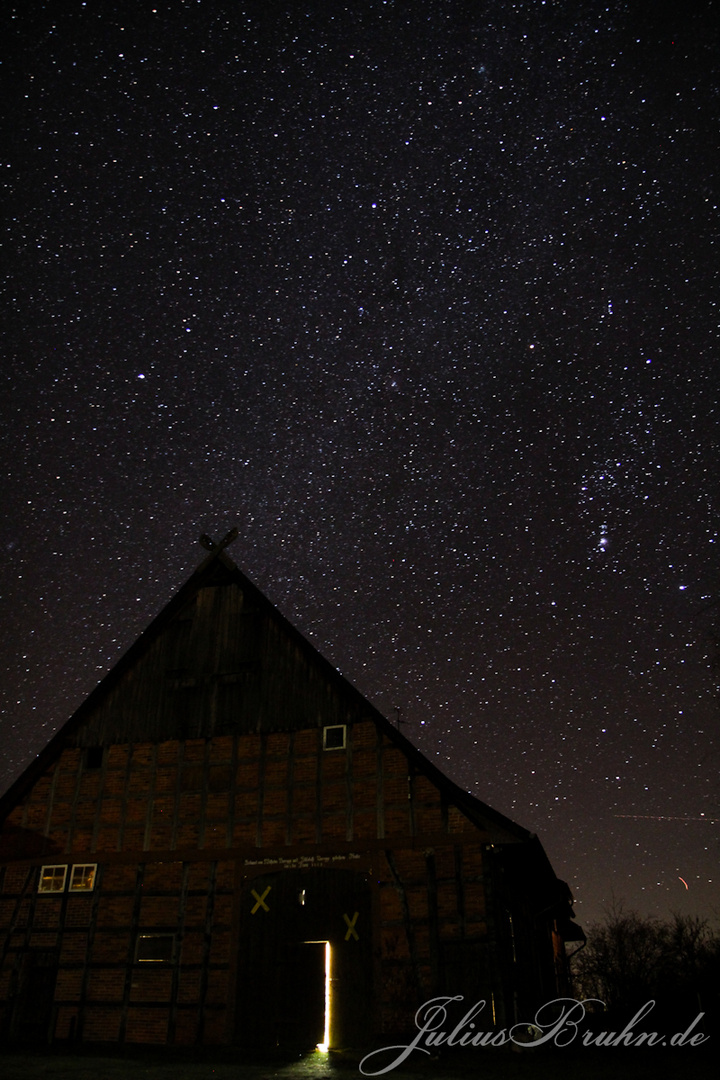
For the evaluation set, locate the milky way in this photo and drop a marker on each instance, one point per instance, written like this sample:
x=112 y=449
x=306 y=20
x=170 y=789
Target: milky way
x=423 y=297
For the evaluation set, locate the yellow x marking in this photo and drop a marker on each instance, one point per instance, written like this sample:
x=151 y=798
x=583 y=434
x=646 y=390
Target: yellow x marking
x=260 y=900
x=350 y=923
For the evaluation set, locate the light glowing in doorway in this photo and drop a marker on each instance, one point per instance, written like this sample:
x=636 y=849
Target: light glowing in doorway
x=324 y=1046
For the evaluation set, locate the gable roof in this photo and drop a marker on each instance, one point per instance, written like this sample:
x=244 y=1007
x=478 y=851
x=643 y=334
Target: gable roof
x=219 y=570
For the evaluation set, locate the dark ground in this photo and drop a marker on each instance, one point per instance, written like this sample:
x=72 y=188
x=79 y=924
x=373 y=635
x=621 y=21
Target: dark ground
x=234 y=1064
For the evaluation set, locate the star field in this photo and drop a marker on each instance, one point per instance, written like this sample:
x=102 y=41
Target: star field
x=424 y=299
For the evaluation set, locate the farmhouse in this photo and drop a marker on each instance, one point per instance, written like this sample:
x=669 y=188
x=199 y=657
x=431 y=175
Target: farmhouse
x=228 y=844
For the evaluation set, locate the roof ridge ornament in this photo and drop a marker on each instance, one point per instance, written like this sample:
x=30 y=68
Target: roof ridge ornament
x=209 y=544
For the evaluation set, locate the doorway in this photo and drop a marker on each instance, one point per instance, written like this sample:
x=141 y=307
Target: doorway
x=305 y=960
x=33 y=1011
x=301 y=1018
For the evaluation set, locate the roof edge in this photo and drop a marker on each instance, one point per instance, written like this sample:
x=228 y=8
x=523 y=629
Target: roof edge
x=473 y=808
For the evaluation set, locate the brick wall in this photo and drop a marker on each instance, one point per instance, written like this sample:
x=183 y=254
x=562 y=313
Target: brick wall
x=148 y=815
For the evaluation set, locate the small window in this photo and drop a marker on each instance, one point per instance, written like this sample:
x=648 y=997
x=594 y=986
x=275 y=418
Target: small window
x=154 y=948
x=94 y=757
x=82 y=877
x=334 y=737
x=52 y=878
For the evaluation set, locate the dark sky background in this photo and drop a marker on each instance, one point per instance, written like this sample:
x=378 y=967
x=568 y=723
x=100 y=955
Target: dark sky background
x=423 y=297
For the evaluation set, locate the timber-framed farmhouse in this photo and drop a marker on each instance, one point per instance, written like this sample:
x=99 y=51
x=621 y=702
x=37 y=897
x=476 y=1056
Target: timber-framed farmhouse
x=228 y=844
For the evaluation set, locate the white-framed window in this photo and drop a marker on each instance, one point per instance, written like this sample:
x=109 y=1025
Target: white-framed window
x=334 y=737
x=52 y=879
x=154 y=948
x=82 y=877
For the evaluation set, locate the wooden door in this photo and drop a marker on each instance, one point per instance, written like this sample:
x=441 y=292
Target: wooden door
x=300 y=993
x=32 y=1014
x=286 y=919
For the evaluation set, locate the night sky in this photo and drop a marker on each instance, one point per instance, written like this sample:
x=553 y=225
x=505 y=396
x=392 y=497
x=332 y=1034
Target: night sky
x=423 y=297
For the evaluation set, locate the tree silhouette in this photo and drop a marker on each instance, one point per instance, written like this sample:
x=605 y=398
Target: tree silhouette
x=632 y=959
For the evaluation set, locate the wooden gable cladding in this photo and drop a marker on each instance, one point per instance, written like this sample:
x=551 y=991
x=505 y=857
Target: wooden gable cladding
x=198 y=677
x=224 y=662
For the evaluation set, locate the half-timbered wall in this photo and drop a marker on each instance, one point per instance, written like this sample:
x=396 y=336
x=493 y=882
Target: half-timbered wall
x=277 y=788
x=177 y=827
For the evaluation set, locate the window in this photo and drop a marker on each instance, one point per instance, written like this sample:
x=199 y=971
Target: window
x=334 y=737
x=154 y=948
x=82 y=877
x=52 y=878
x=94 y=757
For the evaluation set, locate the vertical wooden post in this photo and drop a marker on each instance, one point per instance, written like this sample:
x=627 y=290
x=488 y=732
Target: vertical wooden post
x=73 y=809
x=129 y=970
x=207 y=943
x=204 y=793
x=433 y=927
x=379 y=789
x=126 y=789
x=411 y=799
x=290 y=787
x=98 y=805
x=178 y=795
x=88 y=951
x=349 y=806
x=172 y=1019
x=318 y=787
x=261 y=790
x=51 y=799
x=407 y=921
x=459 y=889
x=230 y=829
x=150 y=800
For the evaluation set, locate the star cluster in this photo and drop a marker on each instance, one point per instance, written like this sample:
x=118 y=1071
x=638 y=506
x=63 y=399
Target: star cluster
x=424 y=299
